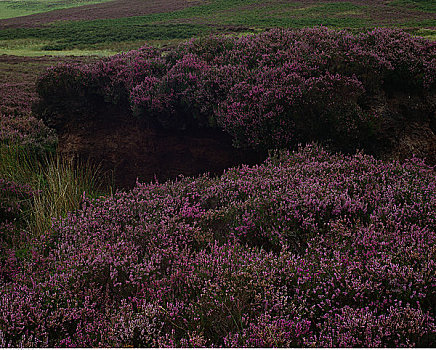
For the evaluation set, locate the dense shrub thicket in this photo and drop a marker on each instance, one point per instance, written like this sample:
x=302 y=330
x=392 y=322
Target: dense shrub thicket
x=270 y=90
x=308 y=249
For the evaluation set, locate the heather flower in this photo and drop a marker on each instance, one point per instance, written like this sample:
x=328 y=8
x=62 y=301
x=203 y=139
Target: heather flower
x=274 y=89
x=310 y=248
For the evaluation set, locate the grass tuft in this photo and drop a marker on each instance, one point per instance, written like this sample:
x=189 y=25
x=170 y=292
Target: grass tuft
x=60 y=184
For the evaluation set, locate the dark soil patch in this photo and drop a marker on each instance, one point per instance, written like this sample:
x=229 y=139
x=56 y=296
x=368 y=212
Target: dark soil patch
x=131 y=152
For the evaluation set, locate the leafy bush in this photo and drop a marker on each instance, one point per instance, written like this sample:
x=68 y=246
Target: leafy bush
x=307 y=249
x=274 y=89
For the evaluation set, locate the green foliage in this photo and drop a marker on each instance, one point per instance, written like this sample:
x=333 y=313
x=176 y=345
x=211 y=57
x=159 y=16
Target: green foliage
x=85 y=34
x=58 y=185
x=213 y=16
x=420 y=5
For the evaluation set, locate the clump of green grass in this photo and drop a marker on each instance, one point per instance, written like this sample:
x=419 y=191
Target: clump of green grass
x=60 y=184
x=426 y=33
x=17 y=164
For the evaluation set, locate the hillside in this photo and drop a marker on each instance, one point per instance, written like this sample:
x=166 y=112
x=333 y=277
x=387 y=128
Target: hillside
x=114 y=26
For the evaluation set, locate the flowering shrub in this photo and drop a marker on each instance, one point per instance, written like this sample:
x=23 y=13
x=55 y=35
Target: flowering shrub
x=273 y=89
x=119 y=75
x=17 y=97
x=78 y=90
x=308 y=249
x=12 y=198
x=27 y=131
x=282 y=106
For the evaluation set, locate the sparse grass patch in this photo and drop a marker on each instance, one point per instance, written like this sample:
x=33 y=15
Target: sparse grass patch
x=426 y=33
x=417 y=25
x=62 y=184
x=35 y=47
x=16 y=164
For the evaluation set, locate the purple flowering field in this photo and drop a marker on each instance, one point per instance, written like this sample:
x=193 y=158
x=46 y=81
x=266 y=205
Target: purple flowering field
x=307 y=249
x=311 y=248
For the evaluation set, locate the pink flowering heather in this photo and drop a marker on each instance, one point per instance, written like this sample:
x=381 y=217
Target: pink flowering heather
x=307 y=249
x=26 y=131
x=274 y=89
x=13 y=197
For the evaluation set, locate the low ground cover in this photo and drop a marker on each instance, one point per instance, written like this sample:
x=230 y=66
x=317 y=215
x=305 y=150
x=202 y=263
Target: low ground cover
x=108 y=24
x=16 y=8
x=308 y=249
